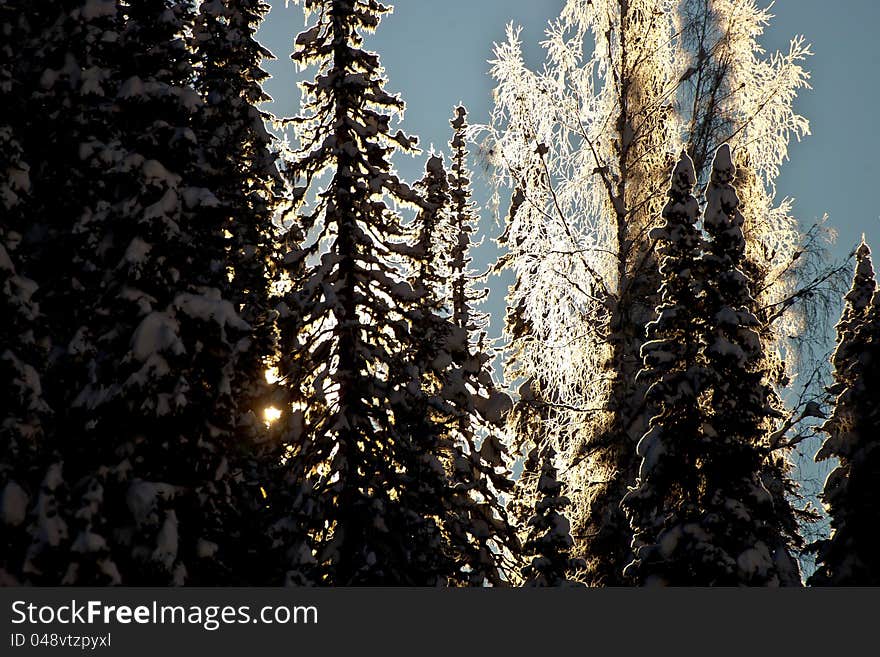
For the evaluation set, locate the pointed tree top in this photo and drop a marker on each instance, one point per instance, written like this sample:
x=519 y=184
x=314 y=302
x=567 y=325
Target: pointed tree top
x=863 y=252
x=723 y=169
x=434 y=164
x=864 y=284
x=460 y=117
x=684 y=177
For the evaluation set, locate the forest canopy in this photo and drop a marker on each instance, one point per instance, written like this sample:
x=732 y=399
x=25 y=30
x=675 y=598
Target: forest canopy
x=241 y=349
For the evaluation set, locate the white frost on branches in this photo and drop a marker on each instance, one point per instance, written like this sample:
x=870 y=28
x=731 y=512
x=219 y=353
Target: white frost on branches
x=586 y=143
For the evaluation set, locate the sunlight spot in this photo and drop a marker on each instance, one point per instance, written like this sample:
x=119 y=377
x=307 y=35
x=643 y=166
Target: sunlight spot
x=271 y=414
x=272 y=375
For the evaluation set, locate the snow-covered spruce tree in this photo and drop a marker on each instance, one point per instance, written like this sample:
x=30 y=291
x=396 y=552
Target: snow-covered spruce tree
x=464 y=219
x=240 y=166
x=368 y=497
x=856 y=305
x=731 y=92
x=456 y=369
x=23 y=352
x=588 y=143
x=480 y=408
x=144 y=374
x=851 y=494
x=744 y=405
x=549 y=538
x=57 y=54
x=241 y=160
x=23 y=345
x=700 y=511
x=668 y=487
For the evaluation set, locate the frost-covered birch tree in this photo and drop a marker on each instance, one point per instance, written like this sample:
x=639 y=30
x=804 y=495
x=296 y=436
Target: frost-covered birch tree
x=587 y=142
x=368 y=496
x=578 y=240
x=851 y=493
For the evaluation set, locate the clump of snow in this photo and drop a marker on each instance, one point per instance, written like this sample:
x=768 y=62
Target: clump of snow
x=88 y=541
x=206 y=549
x=155 y=171
x=163 y=207
x=167 y=541
x=131 y=88
x=157 y=332
x=79 y=344
x=98 y=8
x=137 y=251
x=6 y=261
x=53 y=479
x=210 y=307
x=755 y=562
x=92 y=78
x=179 y=576
x=195 y=197
x=189 y=98
x=13 y=504
x=142 y=499
x=50 y=526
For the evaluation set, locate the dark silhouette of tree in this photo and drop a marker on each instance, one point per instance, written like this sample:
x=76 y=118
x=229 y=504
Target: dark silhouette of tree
x=743 y=477
x=369 y=497
x=23 y=341
x=851 y=494
x=700 y=510
x=666 y=495
x=142 y=467
x=549 y=540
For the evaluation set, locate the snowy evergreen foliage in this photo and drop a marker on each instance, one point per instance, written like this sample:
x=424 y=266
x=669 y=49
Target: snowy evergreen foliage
x=23 y=343
x=25 y=411
x=153 y=310
x=465 y=222
x=126 y=237
x=240 y=166
x=743 y=404
x=587 y=143
x=668 y=482
x=851 y=495
x=856 y=304
x=456 y=367
x=58 y=92
x=240 y=151
x=368 y=497
x=700 y=510
x=549 y=539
